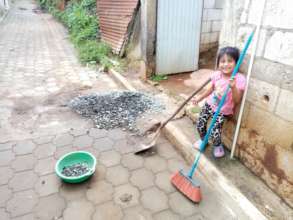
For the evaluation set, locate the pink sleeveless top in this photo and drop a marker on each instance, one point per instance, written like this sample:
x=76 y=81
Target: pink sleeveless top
x=220 y=84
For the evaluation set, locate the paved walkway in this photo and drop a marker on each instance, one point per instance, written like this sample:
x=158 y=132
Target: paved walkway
x=39 y=74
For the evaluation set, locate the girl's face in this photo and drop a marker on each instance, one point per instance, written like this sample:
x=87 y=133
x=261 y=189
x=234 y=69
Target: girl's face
x=226 y=64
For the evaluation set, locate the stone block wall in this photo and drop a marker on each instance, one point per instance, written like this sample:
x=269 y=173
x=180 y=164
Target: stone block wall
x=265 y=143
x=211 y=24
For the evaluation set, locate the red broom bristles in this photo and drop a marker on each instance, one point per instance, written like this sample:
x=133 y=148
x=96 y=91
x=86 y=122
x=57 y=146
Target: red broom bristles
x=183 y=184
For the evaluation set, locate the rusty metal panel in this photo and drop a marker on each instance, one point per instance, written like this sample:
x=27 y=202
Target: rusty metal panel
x=115 y=17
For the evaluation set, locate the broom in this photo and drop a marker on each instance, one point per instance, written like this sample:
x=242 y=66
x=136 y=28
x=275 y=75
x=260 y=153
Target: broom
x=184 y=183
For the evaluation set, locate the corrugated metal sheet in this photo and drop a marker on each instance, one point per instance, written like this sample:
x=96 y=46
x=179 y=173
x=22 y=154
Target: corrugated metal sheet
x=178 y=35
x=115 y=17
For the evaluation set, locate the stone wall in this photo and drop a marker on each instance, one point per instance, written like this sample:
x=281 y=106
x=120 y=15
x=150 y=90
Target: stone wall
x=211 y=24
x=265 y=143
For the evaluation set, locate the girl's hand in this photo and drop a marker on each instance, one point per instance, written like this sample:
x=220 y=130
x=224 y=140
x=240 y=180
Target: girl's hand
x=236 y=94
x=232 y=83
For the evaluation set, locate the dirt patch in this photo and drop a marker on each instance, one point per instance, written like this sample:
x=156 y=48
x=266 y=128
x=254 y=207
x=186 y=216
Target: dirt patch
x=271 y=163
x=27 y=112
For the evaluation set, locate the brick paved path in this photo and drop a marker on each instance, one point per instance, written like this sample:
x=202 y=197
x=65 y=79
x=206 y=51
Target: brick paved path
x=39 y=74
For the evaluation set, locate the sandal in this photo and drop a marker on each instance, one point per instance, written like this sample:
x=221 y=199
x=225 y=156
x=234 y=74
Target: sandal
x=197 y=144
x=219 y=151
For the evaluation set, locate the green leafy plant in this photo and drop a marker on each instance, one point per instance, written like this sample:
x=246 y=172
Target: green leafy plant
x=158 y=78
x=92 y=50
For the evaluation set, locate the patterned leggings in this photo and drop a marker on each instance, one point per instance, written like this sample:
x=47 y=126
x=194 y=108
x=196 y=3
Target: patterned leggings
x=205 y=114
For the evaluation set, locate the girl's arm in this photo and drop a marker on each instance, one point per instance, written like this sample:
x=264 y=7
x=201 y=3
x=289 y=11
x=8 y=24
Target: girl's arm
x=205 y=94
x=236 y=93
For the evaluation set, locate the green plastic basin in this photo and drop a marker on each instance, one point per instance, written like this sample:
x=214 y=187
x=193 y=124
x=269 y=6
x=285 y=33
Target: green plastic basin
x=74 y=158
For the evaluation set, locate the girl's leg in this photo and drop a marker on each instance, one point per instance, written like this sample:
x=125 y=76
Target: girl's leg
x=216 y=136
x=205 y=113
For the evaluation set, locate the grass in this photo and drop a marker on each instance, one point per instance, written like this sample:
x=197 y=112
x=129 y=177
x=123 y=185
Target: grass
x=158 y=78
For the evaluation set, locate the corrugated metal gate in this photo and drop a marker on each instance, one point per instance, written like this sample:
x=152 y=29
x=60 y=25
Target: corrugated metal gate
x=178 y=35
x=115 y=17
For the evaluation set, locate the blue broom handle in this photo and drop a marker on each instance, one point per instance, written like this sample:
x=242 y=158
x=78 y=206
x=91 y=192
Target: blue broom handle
x=206 y=138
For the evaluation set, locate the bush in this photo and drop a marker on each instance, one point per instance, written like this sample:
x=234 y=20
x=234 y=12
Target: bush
x=92 y=51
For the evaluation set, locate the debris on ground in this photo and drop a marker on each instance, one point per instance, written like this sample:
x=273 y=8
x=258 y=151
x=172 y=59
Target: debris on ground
x=118 y=109
x=75 y=170
x=126 y=197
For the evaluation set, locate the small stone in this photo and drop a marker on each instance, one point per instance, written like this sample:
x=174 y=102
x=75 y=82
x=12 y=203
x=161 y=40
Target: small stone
x=47 y=185
x=126 y=195
x=97 y=133
x=76 y=132
x=77 y=169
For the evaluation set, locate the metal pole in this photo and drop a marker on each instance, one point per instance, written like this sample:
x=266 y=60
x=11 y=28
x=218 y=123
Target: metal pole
x=247 y=80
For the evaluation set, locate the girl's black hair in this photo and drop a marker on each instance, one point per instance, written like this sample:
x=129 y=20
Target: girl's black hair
x=230 y=51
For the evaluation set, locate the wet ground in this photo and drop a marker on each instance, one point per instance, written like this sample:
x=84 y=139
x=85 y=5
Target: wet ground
x=184 y=84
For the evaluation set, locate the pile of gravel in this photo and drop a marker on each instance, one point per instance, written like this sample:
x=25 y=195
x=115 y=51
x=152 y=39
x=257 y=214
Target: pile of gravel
x=75 y=169
x=115 y=109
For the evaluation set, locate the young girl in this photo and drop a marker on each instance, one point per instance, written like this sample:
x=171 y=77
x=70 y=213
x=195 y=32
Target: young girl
x=220 y=79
